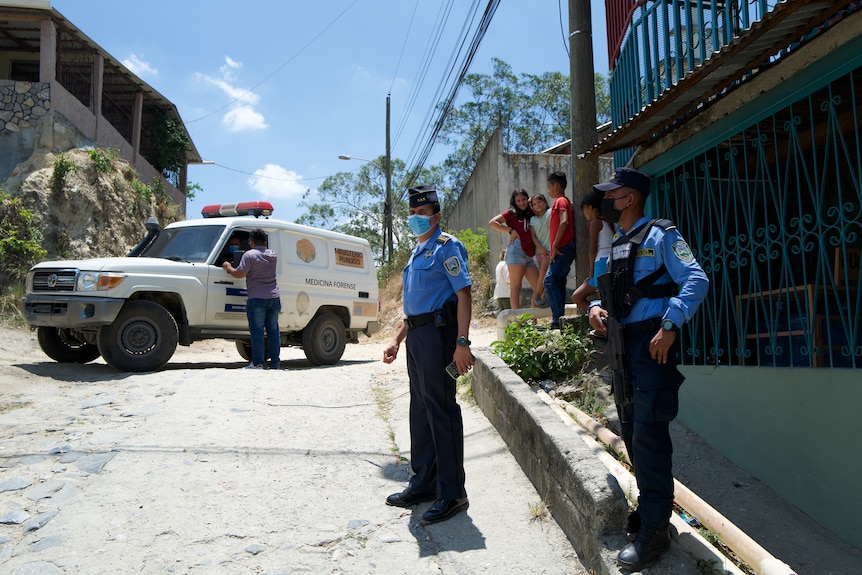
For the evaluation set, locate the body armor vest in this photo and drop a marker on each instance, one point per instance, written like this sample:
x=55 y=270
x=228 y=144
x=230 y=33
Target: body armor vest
x=619 y=279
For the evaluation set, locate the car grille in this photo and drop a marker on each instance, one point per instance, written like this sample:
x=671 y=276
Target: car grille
x=54 y=280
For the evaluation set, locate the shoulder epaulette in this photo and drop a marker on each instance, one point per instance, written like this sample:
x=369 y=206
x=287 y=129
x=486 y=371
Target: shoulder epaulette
x=641 y=233
x=443 y=239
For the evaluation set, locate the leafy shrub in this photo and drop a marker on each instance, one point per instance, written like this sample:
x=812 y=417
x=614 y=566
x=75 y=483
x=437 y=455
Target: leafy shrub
x=63 y=165
x=104 y=158
x=536 y=353
x=20 y=240
x=20 y=248
x=476 y=244
x=143 y=191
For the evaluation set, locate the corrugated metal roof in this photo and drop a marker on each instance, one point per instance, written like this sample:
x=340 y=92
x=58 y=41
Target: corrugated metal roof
x=785 y=24
x=21 y=29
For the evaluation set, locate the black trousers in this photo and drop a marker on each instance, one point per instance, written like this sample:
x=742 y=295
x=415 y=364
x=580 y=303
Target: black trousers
x=436 y=427
x=646 y=433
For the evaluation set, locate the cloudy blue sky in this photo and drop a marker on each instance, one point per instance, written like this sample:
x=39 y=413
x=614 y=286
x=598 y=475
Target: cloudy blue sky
x=272 y=91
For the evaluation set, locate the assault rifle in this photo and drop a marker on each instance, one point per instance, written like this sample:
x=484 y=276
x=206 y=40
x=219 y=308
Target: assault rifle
x=613 y=353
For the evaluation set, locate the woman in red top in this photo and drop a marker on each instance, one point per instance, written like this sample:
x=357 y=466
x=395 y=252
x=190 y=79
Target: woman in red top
x=519 y=255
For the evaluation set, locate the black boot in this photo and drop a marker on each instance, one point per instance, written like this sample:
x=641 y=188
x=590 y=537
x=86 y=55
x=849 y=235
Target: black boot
x=650 y=544
x=633 y=524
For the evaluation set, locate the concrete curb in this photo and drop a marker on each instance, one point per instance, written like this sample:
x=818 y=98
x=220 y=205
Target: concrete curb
x=583 y=497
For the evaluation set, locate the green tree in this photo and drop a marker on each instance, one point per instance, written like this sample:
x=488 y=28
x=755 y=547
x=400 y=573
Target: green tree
x=533 y=112
x=20 y=239
x=171 y=145
x=352 y=202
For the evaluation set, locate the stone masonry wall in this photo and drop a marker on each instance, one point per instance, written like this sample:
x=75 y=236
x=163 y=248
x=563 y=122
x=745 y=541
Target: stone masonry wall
x=22 y=104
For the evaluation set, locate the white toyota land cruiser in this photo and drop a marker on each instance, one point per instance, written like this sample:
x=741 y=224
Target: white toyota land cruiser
x=134 y=310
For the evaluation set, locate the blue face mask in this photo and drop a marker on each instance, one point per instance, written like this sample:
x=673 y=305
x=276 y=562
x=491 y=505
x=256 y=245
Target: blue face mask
x=419 y=225
x=233 y=249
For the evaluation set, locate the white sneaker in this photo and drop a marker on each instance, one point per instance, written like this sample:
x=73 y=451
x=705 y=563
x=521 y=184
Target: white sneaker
x=253 y=366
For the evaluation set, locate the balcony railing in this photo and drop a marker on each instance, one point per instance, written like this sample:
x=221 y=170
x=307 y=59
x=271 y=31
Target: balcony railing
x=667 y=40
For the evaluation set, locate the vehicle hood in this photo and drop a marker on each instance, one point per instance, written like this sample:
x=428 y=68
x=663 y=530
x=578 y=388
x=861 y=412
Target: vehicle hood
x=121 y=264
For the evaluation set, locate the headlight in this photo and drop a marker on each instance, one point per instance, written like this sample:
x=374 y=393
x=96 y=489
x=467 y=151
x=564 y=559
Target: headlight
x=95 y=281
x=28 y=282
x=87 y=281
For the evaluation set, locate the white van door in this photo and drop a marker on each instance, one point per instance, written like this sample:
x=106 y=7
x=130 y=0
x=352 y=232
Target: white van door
x=226 y=297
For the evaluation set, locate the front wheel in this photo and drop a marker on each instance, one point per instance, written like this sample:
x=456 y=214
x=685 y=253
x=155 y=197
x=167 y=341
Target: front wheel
x=143 y=337
x=244 y=349
x=60 y=345
x=323 y=339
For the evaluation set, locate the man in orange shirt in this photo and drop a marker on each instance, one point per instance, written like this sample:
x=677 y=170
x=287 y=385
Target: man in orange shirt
x=562 y=250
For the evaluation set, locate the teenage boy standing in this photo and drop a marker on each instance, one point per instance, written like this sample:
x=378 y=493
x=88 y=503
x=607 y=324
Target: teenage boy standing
x=562 y=250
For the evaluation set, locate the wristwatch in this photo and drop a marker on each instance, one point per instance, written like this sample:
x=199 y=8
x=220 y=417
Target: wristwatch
x=668 y=325
x=464 y=341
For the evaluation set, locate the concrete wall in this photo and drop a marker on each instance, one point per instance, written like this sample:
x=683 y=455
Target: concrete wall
x=584 y=498
x=22 y=106
x=46 y=116
x=795 y=429
x=487 y=192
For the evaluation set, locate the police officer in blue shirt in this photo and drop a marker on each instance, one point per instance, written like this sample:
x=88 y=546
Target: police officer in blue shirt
x=656 y=285
x=437 y=306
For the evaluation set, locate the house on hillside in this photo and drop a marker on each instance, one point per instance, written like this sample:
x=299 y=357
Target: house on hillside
x=747 y=115
x=59 y=89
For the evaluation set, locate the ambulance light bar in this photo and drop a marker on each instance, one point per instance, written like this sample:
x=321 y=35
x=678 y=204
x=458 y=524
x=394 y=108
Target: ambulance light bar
x=255 y=209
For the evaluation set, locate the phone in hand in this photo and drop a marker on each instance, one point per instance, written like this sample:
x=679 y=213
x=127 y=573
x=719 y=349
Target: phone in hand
x=452 y=370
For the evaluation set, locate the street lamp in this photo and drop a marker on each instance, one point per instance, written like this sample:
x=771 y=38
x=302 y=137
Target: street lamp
x=387 y=204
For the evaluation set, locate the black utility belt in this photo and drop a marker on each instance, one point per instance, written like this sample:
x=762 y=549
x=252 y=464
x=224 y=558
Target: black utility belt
x=442 y=317
x=646 y=326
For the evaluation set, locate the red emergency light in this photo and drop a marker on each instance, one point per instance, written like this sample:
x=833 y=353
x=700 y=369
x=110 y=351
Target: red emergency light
x=255 y=209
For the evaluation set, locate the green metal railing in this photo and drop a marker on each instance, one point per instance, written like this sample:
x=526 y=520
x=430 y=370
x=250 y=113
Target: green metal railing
x=774 y=215
x=667 y=40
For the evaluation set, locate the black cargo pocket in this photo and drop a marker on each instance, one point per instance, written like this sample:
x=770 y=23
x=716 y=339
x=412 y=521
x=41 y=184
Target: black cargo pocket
x=656 y=405
x=665 y=405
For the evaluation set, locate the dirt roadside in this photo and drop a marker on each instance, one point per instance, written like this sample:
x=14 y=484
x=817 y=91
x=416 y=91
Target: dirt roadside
x=206 y=468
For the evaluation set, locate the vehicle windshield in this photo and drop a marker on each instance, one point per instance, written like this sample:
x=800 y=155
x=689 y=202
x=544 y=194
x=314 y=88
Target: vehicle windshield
x=188 y=244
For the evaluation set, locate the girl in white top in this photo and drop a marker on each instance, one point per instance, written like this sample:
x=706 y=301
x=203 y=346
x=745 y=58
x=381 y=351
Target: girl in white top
x=540 y=229
x=601 y=238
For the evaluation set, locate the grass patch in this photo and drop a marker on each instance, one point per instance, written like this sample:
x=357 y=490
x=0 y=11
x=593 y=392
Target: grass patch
x=6 y=406
x=539 y=511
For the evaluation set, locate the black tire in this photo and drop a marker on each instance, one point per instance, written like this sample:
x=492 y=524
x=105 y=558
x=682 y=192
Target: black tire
x=324 y=338
x=244 y=349
x=143 y=337
x=60 y=345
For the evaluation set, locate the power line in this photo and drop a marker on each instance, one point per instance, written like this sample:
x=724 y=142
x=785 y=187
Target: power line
x=404 y=45
x=422 y=71
x=268 y=177
x=446 y=107
x=277 y=70
x=562 y=29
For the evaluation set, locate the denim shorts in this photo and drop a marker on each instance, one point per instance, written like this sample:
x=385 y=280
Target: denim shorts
x=515 y=256
x=599 y=267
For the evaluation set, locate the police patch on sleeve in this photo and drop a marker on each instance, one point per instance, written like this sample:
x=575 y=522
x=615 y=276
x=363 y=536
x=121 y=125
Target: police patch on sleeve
x=453 y=266
x=683 y=252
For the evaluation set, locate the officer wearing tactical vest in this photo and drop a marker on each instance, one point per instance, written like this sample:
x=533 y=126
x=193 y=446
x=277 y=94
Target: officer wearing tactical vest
x=437 y=306
x=652 y=287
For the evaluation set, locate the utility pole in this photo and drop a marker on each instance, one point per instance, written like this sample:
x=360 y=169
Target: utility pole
x=584 y=136
x=387 y=205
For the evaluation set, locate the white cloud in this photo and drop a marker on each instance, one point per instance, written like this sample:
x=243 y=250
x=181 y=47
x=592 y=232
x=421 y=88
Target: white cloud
x=242 y=114
x=273 y=181
x=241 y=118
x=139 y=67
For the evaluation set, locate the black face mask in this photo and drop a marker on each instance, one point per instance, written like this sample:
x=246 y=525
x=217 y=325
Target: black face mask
x=609 y=212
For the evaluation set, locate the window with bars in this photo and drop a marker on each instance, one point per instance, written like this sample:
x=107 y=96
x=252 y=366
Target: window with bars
x=774 y=215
